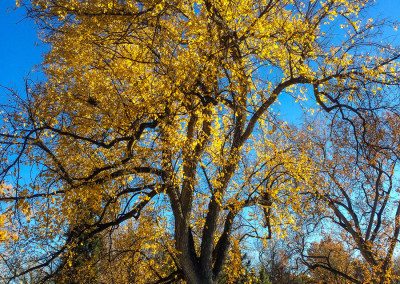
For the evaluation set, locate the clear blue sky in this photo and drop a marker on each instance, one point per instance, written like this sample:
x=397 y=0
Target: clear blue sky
x=19 y=49
x=20 y=52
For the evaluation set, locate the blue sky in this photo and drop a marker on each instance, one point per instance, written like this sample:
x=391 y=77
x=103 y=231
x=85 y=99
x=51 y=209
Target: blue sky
x=21 y=50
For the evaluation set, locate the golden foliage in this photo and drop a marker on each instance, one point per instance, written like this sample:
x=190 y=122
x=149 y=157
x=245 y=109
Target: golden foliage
x=164 y=110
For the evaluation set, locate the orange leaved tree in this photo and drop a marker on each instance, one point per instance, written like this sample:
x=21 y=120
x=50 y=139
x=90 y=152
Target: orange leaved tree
x=358 y=183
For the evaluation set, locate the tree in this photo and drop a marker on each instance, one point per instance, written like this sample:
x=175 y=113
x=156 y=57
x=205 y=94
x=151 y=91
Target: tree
x=328 y=259
x=359 y=187
x=165 y=108
x=275 y=263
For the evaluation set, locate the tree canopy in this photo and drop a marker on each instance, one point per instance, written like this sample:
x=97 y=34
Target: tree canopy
x=153 y=150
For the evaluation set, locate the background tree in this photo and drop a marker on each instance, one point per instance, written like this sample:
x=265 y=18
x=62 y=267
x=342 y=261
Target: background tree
x=166 y=106
x=328 y=259
x=359 y=186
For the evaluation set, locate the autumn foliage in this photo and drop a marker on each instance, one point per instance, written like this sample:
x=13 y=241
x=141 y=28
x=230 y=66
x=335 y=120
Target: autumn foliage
x=152 y=151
